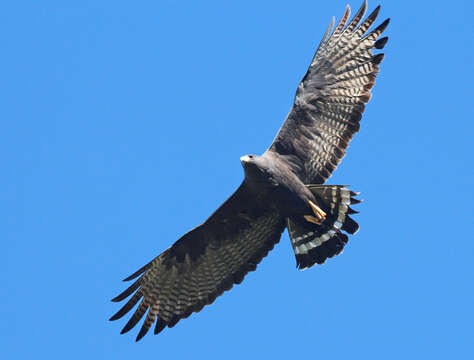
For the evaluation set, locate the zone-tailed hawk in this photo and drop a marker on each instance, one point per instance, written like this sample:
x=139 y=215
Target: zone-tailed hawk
x=282 y=188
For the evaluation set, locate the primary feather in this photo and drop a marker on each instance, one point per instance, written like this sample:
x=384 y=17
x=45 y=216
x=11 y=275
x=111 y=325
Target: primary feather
x=331 y=97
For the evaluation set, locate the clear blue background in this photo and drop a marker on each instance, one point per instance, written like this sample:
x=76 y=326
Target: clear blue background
x=122 y=124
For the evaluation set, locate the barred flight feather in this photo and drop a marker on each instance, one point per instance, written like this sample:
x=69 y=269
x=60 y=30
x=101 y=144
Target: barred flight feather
x=330 y=99
x=177 y=283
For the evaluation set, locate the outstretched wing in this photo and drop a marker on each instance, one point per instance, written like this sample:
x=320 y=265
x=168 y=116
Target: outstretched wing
x=330 y=99
x=202 y=264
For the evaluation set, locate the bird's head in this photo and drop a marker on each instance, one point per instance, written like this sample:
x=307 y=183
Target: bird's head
x=255 y=167
x=248 y=159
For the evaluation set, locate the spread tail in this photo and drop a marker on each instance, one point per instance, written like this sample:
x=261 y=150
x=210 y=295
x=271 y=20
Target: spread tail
x=315 y=239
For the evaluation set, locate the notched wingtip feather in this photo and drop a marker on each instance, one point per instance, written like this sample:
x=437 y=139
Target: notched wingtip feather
x=357 y=17
x=364 y=6
x=377 y=59
x=327 y=34
x=138 y=272
x=118 y=315
x=381 y=28
x=376 y=11
x=373 y=15
x=160 y=325
x=342 y=22
x=141 y=333
x=380 y=43
x=129 y=291
x=130 y=324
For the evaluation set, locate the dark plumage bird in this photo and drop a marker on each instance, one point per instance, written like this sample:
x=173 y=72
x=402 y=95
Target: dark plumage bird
x=282 y=188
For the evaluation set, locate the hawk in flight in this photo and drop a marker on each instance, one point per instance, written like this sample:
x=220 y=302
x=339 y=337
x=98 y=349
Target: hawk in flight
x=282 y=189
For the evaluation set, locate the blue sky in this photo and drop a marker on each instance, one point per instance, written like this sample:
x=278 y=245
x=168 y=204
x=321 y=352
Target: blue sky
x=122 y=127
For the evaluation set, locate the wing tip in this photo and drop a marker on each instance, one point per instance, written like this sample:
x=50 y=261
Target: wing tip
x=159 y=326
x=380 y=43
x=381 y=28
x=138 y=272
x=141 y=333
x=377 y=59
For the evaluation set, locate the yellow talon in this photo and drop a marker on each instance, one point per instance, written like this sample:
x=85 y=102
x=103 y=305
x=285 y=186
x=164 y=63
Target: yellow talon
x=320 y=214
x=312 y=219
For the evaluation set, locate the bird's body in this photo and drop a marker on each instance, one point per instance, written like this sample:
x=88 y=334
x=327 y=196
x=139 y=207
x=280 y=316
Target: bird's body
x=273 y=182
x=283 y=188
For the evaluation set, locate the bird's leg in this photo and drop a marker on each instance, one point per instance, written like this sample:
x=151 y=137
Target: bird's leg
x=319 y=217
